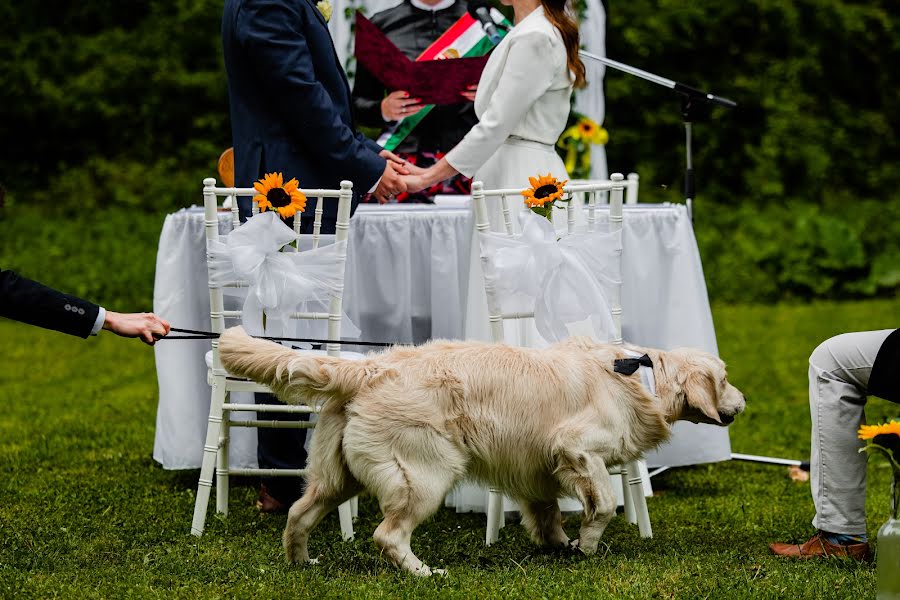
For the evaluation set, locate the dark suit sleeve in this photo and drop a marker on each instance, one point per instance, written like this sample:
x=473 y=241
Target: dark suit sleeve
x=30 y=302
x=272 y=34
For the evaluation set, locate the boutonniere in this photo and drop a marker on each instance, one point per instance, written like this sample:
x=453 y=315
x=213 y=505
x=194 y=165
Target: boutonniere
x=325 y=8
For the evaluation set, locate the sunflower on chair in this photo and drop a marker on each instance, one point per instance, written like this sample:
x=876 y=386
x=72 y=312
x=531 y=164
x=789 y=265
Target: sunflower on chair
x=286 y=198
x=544 y=191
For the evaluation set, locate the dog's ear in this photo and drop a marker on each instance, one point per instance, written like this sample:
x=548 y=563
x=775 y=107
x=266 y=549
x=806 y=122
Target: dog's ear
x=700 y=391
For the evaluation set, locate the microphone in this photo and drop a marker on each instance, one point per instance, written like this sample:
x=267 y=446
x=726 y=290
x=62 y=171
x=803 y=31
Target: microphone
x=480 y=10
x=695 y=93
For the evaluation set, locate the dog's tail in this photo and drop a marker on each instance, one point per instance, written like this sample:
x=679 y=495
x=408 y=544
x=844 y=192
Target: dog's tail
x=295 y=377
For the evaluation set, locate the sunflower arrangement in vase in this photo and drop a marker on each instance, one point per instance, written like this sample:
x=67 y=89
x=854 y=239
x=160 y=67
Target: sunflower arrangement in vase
x=575 y=143
x=274 y=195
x=544 y=191
x=885 y=438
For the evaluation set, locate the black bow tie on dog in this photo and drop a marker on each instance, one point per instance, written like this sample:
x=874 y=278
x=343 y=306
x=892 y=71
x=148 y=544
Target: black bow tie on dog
x=627 y=366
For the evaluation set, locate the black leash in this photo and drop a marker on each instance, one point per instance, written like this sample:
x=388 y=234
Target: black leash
x=209 y=335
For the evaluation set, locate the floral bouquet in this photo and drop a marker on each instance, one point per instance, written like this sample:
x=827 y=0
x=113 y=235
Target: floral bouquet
x=544 y=191
x=575 y=145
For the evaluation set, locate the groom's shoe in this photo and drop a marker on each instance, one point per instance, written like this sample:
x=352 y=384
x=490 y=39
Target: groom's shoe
x=267 y=503
x=818 y=547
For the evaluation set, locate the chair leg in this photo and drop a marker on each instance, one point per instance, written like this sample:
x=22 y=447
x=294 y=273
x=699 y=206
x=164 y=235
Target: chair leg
x=210 y=450
x=627 y=500
x=636 y=483
x=222 y=466
x=495 y=516
x=346 y=519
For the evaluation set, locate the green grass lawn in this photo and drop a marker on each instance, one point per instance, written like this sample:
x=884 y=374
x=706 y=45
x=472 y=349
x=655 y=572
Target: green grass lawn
x=85 y=512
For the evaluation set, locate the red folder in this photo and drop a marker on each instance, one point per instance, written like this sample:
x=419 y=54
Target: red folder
x=434 y=81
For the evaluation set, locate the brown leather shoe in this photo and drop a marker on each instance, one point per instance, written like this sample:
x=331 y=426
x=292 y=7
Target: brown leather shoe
x=267 y=503
x=818 y=547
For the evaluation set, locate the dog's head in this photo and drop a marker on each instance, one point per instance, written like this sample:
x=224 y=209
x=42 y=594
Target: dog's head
x=695 y=386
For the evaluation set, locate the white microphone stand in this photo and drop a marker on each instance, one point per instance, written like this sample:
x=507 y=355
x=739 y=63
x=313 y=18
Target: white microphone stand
x=694 y=103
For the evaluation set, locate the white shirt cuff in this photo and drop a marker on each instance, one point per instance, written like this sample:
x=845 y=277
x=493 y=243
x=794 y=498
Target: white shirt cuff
x=376 y=185
x=98 y=324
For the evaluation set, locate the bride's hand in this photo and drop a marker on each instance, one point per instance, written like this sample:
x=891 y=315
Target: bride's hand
x=415 y=183
x=414 y=169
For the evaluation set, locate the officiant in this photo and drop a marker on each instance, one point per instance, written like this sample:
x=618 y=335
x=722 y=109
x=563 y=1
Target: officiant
x=413 y=26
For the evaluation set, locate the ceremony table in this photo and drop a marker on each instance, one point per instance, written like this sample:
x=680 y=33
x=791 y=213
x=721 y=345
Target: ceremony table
x=406 y=278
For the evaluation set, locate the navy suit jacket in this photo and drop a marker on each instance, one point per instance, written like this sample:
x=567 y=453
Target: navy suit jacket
x=30 y=302
x=290 y=101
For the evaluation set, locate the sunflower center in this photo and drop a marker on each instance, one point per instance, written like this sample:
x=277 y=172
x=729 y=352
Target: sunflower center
x=278 y=197
x=544 y=191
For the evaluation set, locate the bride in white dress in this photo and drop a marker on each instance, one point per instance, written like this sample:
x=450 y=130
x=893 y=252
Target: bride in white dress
x=522 y=104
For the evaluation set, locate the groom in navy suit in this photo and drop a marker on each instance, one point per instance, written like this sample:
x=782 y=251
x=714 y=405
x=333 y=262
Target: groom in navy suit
x=290 y=104
x=290 y=112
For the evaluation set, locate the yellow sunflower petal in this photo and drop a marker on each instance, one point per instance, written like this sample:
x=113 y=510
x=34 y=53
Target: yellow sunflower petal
x=867 y=432
x=298 y=201
x=287 y=211
x=291 y=185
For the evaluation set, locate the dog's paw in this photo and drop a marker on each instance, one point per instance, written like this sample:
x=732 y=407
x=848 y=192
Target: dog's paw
x=587 y=550
x=426 y=571
x=313 y=561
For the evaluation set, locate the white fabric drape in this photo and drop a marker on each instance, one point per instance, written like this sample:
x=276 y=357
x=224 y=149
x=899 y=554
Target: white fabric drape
x=560 y=282
x=590 y=100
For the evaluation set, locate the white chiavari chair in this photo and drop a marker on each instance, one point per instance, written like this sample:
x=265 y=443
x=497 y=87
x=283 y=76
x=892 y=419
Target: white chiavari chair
x=635 y=502
x=215 y=449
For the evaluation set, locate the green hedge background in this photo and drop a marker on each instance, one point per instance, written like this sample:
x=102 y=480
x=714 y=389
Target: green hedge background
x=112 y=113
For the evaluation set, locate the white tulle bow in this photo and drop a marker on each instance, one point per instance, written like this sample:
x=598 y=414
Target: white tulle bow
x=280 y=283
x=562 y=281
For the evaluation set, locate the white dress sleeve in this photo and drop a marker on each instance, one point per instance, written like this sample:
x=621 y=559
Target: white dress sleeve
x=531 y=65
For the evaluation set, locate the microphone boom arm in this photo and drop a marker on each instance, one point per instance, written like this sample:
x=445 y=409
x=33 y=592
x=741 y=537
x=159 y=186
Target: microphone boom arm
x=685 y=90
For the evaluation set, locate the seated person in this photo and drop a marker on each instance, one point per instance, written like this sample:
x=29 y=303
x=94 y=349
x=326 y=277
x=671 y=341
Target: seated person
x=412 y=27
x=842 y=372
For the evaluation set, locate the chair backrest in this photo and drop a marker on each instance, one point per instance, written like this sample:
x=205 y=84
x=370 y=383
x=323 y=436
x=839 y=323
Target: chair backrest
x=632 y=186
x=212 y=196
x=615 y=187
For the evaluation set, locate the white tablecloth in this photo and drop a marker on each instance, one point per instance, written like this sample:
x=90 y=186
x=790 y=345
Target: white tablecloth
x=405 y=282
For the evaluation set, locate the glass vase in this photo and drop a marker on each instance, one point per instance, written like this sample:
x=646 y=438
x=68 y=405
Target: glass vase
x=888 y=558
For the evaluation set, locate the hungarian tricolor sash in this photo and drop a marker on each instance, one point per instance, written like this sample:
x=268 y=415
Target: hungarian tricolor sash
x=465 y=38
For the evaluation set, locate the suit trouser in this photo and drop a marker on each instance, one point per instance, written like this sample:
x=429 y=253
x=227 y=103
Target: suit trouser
x=839 y=372
x=284 y=448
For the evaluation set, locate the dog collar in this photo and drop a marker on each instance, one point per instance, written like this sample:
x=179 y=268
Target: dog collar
x=637 y=362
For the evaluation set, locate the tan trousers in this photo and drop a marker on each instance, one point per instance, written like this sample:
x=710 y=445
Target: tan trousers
x=839 y=372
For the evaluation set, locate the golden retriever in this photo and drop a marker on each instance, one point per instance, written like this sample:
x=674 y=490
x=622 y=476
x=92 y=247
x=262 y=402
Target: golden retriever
x=409 y=423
